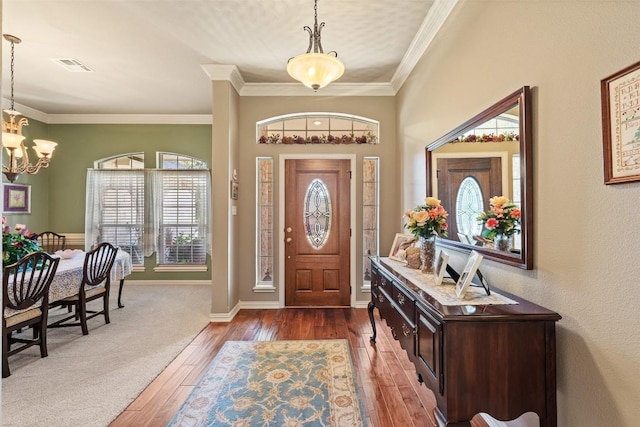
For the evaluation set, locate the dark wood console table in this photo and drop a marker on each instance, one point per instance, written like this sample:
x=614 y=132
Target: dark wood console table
x=498 y=359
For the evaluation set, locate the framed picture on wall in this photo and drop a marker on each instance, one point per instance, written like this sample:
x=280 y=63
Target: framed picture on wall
x=621 y=125
x=17 y=198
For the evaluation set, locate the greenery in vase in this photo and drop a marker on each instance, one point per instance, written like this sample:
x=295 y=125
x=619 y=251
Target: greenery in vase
x=503 y=217
x=17 y=243
x=427 y=220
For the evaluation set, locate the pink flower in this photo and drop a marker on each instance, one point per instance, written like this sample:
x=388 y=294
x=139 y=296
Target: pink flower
x=492 y=223
x=515 y=212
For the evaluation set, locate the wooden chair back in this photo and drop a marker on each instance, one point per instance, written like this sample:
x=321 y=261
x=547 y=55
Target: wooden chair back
x=27 y=281
x=51 y=241
x=25 y=299
x=97 y=265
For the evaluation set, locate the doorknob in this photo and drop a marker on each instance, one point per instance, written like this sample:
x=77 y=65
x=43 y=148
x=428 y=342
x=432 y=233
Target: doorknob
x=288 y=239
x=288 y=229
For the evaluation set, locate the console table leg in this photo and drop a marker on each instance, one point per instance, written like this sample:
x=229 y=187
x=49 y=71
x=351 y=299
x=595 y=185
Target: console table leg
x=120 y=294
x=370 y=308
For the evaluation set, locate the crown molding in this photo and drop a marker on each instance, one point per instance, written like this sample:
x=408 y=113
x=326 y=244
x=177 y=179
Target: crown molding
x=437 y=15
x=27 y=111
x=334 y=89
x=225 y=72
x=130 y=119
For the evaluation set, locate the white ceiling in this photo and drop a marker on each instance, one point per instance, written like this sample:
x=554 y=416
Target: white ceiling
x=159 y=56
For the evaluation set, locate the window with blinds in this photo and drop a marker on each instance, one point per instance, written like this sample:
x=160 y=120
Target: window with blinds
x=183 y=203
x=123 y=212
x=177 y=215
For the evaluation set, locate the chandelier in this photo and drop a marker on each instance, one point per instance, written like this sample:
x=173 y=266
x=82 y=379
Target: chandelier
x=12 y=138
x=317 y=69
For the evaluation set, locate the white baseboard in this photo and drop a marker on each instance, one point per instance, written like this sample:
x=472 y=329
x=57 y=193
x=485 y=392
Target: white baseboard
x=224 y=317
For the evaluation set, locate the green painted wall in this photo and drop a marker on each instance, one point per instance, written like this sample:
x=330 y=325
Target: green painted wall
x=79 y=145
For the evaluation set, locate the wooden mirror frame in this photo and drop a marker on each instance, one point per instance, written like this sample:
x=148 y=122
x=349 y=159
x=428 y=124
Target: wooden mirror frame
x=522 y=99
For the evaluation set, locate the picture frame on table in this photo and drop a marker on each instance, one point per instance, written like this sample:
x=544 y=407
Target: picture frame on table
x=621 y=125
x=440 y=268
x=464 y=281
x=17 y=198
x=400 y=243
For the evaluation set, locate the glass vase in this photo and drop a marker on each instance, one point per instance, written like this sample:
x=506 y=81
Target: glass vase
x=427 y=254
x=502 y=242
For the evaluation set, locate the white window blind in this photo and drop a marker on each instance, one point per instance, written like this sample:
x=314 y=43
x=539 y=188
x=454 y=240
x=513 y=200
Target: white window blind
x=181 y=199
x=115 y=210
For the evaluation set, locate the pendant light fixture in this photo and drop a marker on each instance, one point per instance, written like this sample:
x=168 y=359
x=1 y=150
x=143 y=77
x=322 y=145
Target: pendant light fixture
x=318 y=69
x=12 y=138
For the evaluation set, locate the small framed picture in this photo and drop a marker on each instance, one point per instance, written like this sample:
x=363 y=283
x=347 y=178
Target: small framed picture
x=441 y=267
x=234 y=190
x=400 y=244
x=17 y=198
x=473 y=262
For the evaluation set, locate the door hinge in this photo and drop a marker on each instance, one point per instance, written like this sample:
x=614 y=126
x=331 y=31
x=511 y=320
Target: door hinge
x=349 y=232
x=350 y=175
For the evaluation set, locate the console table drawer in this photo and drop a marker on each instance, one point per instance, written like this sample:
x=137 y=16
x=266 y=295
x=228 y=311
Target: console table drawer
x=404 y=302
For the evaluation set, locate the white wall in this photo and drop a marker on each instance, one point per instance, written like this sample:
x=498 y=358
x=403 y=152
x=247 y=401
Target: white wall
x=587 y=236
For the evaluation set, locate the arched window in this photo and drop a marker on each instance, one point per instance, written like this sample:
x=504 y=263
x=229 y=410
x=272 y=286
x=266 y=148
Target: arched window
x=176 y=225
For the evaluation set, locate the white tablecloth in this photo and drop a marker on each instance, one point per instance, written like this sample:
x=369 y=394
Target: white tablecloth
x=69 y=275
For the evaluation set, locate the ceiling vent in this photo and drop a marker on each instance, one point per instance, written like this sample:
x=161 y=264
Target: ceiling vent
x=72 y=65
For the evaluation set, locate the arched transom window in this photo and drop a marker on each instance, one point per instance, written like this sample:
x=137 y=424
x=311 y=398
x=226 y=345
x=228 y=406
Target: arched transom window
x=317 y=128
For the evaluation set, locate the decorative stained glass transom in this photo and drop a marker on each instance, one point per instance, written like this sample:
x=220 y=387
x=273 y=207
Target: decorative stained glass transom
x=317 y=128
x=469 y=205
x=317 y=213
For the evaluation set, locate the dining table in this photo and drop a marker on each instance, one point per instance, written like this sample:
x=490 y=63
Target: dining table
x=68 y=276
x=70 y=269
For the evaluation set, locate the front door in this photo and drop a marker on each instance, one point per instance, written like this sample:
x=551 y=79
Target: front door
x=452 y=172
x=317 y=232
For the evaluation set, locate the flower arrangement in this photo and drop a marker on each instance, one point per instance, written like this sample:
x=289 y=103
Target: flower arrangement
x=427 y=220
x=491 y=137
x=17 y=244
x=503 y=217
x=368 y=138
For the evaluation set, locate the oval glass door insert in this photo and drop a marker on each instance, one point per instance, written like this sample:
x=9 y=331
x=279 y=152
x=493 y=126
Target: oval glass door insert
x=317 y=213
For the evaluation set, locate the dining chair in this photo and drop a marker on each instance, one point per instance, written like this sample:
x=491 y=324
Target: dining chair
x=95 y=284
x=25 y=298
x=528 y=419
x=51 y=241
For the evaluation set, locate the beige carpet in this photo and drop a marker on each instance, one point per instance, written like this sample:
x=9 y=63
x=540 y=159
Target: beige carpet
x=88 y=380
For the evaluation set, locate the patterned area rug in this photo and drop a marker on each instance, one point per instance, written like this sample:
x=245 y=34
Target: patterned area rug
x=275 y=384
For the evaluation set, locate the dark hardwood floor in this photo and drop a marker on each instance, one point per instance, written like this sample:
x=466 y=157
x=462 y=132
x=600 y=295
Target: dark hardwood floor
x=389 y=390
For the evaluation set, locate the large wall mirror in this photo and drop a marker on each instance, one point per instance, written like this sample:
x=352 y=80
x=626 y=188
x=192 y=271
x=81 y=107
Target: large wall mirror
x=487 y=156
